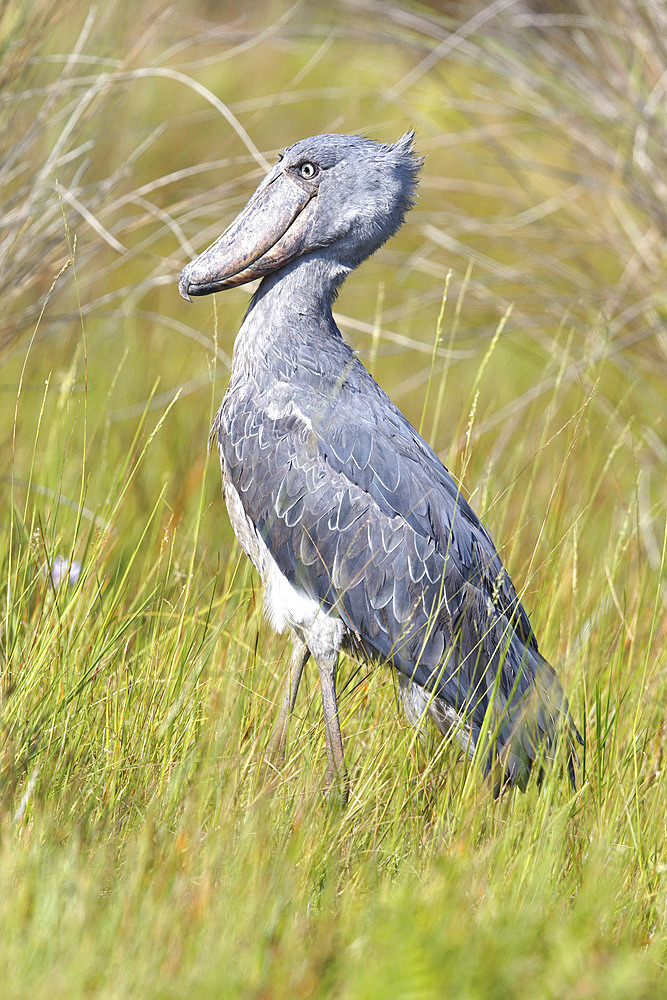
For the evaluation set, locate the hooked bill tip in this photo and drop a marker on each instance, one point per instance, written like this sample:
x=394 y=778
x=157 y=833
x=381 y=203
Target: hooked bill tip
x=184 y=286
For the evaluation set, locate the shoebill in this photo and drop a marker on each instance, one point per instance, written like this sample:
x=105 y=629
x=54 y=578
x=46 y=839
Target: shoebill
x=363 y=540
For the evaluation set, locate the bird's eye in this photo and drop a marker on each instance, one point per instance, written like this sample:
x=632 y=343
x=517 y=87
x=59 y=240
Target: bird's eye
x=307 y=170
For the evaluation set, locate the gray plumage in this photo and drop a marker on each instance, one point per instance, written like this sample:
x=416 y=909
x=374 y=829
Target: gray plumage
x=362 y=537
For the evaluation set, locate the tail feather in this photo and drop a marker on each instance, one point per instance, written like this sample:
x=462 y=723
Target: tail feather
x=522 y=726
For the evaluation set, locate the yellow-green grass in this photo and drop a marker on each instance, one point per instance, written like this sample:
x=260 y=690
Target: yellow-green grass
x=519 y=317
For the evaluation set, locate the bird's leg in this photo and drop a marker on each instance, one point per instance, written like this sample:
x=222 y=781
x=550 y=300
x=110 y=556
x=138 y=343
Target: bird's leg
x=275 y=750
x=336 y=775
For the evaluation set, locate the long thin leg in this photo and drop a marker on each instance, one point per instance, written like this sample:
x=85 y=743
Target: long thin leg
x=275 y=750
x=336 y=775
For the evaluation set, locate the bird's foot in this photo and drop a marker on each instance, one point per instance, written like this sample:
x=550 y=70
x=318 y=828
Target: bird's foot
x=274 y=755
x=336 y=788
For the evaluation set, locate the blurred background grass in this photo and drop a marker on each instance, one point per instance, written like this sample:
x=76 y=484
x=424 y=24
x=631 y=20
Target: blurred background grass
x=140 y=851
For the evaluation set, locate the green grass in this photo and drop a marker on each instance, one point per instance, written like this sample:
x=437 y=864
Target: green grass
x=145 y=849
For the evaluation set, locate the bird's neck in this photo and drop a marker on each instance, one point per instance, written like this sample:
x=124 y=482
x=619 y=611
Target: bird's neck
x=291 y=312
x=307 y=285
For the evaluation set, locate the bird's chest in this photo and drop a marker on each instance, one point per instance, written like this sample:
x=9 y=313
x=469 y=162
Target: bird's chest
x=249 y=539
x=233 y=429
x=250 y=478
x=283 y=605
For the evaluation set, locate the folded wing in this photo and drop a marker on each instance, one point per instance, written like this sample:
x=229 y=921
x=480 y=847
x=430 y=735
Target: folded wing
x=360 y=515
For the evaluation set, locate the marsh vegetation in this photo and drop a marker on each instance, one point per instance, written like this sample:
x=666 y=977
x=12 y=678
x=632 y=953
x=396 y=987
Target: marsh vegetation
x=518 y=319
